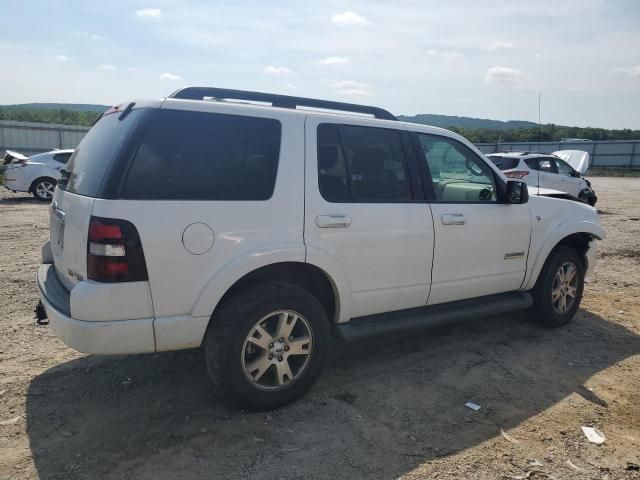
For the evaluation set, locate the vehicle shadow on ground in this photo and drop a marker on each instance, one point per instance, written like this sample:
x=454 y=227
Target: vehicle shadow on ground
x=381 y=408
x=20 y=201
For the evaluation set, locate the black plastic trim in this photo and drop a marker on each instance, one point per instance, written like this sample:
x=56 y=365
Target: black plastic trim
x=53 y=290
x=282 y=101
x=433 y=315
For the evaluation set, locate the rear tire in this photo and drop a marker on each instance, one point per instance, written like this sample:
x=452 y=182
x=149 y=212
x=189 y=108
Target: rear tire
x=558 y=291
x=42 y=189
x=266 y=345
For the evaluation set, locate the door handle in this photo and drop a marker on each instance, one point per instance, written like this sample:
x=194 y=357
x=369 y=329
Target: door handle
x=333 y=221
x=453 y=219
x=57 y=212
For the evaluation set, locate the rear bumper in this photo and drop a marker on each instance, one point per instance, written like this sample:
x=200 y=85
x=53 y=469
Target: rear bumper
x=98 y=337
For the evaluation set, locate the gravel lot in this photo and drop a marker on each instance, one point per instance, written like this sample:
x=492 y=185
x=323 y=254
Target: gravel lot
x=384 y=409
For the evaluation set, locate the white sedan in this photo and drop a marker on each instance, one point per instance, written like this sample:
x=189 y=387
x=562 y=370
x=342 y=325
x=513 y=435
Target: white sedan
x=562 y=171
x=38 y=174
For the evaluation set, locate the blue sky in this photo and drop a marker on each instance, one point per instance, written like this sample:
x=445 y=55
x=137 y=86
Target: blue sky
x=482 y=58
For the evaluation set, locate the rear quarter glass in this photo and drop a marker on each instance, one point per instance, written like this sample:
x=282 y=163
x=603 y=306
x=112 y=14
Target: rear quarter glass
x=105 y=142
x=505 y=163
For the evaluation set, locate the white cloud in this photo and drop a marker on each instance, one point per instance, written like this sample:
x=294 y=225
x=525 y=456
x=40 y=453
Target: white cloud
x=154 y=13
x=63 y=58
x=290 y=86
x=351 y=87
x=170 y=77
x=334 y=60
x=95 y=36
x=444 y=53
x=349 y=19
x=106 y=68
x=278 y=71
x=500 y=74
x=627 y=71
x=500 y=45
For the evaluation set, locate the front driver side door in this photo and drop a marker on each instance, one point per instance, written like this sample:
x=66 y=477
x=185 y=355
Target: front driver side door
x=481 y=244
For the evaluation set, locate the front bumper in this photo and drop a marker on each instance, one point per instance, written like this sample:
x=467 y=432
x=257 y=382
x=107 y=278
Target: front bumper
x=98 y=337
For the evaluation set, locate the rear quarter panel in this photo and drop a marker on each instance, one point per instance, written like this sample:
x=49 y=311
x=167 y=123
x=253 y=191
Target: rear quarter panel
x=247 y=234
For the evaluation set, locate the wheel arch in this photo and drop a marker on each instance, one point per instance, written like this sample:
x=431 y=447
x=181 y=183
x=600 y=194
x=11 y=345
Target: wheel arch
x=323 y=279
x=577 y=235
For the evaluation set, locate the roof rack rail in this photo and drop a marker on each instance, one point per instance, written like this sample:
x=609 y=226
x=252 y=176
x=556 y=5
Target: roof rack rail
x=282 y=101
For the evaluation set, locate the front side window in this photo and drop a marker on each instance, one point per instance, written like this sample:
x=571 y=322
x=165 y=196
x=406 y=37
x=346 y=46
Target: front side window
x=189 y=155
x=564 y=168
x=457 y=173
x=362 y=164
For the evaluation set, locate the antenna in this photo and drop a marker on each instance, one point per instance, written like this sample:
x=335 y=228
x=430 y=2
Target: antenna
x=540 y=133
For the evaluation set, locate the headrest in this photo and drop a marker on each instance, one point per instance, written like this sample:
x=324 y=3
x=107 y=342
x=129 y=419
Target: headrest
x=327 y=156
x=368 y=161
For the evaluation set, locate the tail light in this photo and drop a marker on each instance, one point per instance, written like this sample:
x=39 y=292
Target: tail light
x=114 y=252
x=517 y=174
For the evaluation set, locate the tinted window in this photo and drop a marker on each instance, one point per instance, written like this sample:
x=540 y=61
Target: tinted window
x=458 y=174
x=91 y=160
x=62 y=157
x=205 y=156
x=505 y=163
x=542 y=164
x=362 y=164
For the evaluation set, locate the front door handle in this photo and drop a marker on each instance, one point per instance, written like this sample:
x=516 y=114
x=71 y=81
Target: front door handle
x=333 y=221
x=453 y=219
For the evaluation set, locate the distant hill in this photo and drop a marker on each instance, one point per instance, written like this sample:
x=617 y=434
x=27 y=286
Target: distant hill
x=477 y=130
x=78 y=107
x=448 y=121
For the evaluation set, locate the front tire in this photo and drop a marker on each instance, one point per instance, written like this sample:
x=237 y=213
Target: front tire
x=267 y=345
x=42 y=189
x=558 y=292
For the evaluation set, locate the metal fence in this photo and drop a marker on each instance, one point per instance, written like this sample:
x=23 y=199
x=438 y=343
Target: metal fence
x=616 y=153
x=31 y=138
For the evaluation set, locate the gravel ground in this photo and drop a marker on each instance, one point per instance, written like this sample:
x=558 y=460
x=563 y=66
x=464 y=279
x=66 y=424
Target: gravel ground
x=391 y=408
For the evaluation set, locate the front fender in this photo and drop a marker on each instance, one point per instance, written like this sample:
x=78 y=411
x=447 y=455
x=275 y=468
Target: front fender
x=554 y=237
x=237 y=268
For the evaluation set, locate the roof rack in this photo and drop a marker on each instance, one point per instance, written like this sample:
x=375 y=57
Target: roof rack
x=282 y=101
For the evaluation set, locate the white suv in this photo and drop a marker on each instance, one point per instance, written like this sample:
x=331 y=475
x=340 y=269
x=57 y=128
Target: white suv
x=259 y=231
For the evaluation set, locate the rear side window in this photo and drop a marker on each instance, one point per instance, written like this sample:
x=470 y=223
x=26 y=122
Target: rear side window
x=362 y=164
x=90 y=161
x=62 y=157
x=542 y=164
x=505 y=163
x=205 y=156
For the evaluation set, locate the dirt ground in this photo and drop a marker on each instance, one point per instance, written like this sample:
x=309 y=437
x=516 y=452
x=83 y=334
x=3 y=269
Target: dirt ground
x=383 y=409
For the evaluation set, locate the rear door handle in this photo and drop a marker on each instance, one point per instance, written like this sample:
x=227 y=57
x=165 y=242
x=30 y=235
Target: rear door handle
x=333 y=221
x=453 y=219
x=58 y=213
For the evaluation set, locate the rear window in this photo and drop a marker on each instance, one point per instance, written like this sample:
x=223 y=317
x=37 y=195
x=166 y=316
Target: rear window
x=205 y=156
x=90 y=161
x=505 y=163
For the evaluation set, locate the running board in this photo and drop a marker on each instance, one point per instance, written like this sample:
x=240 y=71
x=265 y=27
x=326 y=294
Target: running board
x=432 y=315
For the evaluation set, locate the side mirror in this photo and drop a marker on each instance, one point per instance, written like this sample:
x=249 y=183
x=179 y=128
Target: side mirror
x=517 y=192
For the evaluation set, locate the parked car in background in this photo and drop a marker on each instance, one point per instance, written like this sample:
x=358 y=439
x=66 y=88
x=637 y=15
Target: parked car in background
x=562 y=170
x=38 y=174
